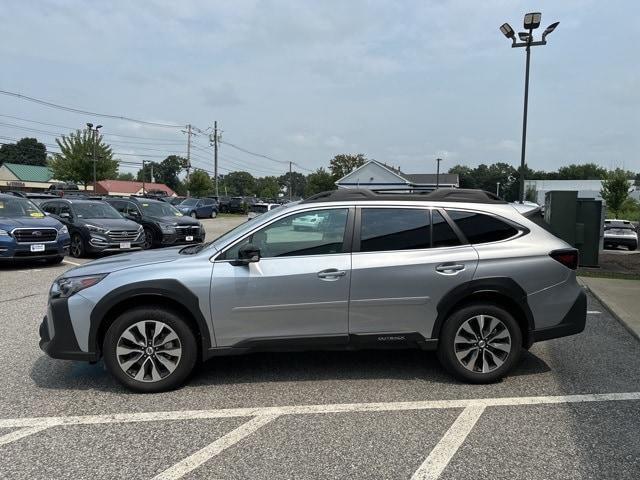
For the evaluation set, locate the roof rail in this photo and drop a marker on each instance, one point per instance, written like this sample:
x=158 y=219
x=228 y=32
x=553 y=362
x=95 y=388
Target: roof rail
x=467 y=195
x=15 y=194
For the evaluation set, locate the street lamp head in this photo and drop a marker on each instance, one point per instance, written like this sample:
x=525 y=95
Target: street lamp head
x=524 y=36
x=90 y=125
x=549 y=29
x=507 y=31
x=98 y=127
x=532 y=20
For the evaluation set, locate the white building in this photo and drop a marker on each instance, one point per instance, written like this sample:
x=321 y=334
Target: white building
x=585 y=188
x=378 y=176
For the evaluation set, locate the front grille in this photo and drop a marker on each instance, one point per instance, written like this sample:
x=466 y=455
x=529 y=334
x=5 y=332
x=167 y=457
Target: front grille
x=184 y=232
x=123 y=235
x=35 y=235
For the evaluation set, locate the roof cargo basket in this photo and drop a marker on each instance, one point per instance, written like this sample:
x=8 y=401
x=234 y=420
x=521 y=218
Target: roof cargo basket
x=466 y=195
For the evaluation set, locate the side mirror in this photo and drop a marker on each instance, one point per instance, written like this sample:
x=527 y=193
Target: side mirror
x=66 y=215
x=247 y=254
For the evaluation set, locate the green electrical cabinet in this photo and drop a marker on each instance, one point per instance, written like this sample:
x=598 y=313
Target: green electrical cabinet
x=578 y=221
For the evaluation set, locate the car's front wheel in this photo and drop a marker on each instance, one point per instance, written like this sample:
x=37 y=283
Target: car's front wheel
x=77 y=246
x=214 y=213
x=148 y=239
x=480 y=343
x=194 y=215
x=150 y=349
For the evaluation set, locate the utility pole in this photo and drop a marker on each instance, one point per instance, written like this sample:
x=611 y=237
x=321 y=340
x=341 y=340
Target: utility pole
x=153 y=180
x=290 y=182
x=438 y=173
x=497 y=189
x=143 y=182
x=188 y=154
x=214 y=141
x=94 y=138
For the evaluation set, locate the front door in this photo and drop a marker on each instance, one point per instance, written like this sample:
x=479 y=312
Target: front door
x=406 y=260
x=299 y=290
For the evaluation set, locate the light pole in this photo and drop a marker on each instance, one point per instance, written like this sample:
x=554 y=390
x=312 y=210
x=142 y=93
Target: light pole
x=94 y=135
x=497 y=189
x=531 y=22
x=438 y=160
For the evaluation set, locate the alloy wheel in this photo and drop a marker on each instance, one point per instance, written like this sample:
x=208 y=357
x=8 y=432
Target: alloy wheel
x=148 y=239
x=76 y=246
x=149 y=351
x=482 y=344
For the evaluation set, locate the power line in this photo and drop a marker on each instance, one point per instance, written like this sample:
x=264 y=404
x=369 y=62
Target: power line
x=249 y=152
x=85 y=112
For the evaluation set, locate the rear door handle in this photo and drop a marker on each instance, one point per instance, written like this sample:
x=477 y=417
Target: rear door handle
x=450 y=268
x=331 y=274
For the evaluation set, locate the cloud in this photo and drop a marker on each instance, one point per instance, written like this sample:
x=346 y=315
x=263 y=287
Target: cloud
x=221 y=95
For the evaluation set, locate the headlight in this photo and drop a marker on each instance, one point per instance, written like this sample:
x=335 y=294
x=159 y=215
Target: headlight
x=64 y=230
x=95 y=228
x=167 y=228
x=3 y=233
x=65 y=287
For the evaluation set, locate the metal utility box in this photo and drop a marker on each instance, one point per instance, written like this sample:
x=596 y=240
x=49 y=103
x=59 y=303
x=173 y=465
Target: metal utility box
x=578 y=221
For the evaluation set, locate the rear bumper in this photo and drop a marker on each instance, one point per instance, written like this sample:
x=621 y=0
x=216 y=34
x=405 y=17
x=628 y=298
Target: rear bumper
x=573 y=322
x=57 y=338
x=625 y=242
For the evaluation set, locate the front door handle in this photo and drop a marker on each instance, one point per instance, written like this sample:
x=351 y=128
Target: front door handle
x=450 y=268
x=331 y=274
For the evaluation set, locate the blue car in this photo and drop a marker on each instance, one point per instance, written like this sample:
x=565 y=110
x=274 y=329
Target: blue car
x=199 y=207
x=27 y=233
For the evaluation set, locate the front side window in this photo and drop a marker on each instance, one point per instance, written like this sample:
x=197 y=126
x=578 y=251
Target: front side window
x=384 y=229
x=50 y=208
x=480 y=228
x=320 y=232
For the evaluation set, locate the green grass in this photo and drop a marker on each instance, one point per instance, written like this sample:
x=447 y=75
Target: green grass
x=232 y=215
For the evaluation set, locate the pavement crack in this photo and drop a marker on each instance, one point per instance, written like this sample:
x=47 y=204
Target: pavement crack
x=20 y=298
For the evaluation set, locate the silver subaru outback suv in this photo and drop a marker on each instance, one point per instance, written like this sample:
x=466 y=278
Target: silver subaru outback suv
x=457 y=271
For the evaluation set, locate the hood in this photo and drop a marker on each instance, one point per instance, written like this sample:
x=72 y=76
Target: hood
x=29 y=222
x=111 y=223
x=173 y=220
x=126 y=260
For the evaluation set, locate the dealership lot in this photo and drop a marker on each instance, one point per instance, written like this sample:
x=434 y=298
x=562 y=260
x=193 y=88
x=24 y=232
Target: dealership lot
x=570 y=410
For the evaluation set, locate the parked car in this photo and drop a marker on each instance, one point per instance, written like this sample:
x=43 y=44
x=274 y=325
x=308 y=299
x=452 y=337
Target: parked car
x=175 y=201
x=223 y=203
x=199 y=207
x=259 y=208
x=308 y=222
x=163 y=224
x=456 y=271
x=27 y=233
x=95 y=226
x=236 y=205
x=620 y=233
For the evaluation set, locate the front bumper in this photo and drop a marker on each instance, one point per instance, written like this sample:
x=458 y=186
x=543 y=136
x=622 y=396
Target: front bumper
x=22 y=251
x=99 y=242
x=57 y=338
x=180 y=237
x=573 y=322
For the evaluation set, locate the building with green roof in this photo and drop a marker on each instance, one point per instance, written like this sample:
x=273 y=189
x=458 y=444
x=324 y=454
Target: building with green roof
x=14 y=176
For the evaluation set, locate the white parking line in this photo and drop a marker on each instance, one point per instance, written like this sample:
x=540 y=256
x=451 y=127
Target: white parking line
x=447 y=447
x=593 y=312
x=72 y=263
x=192 y=462
x=23 y=432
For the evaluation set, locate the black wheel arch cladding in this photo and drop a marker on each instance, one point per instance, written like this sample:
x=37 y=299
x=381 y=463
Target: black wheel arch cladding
x=162 y=289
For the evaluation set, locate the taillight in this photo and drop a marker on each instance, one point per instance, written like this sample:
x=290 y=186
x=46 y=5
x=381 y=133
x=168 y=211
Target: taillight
x=569 y=257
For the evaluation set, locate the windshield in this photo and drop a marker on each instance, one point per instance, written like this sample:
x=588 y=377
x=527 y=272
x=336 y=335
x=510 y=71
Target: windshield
x=190 y=202
x=618 y=226
x=159 y=209
x=19 y=207
x=95 y=210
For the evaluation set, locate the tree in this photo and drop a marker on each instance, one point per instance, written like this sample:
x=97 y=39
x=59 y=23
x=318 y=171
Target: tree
x=267 y=187
x=165 y=172
x=615 y=189
x=465 y=176
x=26 y=151
x=319 y=181
x=240 y=183
x=125 y=176
x=298 y=184
x=199 y=184
x=588 y=171
x=342 y=164
x=75 y=163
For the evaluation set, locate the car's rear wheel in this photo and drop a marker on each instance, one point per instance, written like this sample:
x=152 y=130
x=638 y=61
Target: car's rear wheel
x=77 y=246
x=193 y=215
x=480 y=343
x=150 y=349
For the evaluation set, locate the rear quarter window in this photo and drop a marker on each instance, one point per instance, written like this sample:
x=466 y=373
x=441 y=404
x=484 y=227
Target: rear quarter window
x=481 y=228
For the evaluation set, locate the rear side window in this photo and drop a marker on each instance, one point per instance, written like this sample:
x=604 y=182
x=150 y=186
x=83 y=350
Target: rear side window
x=480 y=228
x=384 y=229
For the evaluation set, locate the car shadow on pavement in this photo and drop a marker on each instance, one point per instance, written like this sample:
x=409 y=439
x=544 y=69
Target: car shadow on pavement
x=277 y=367
x=13 y=265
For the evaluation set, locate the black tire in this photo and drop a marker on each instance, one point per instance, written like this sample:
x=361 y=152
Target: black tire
x=185 y=335
x=148 y=239
x=77 y=249
x=446 y=343
x=54 y=260
x=193 y=215
x=633 y=247
x=214 y=214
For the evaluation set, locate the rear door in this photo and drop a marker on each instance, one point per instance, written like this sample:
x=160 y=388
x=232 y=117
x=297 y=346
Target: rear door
x=405 y=260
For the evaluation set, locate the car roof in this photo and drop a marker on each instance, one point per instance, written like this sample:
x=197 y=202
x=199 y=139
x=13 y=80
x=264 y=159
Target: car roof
x=466 y=195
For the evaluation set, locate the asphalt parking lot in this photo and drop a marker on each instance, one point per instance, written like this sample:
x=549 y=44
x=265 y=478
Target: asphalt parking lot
x=570 y=410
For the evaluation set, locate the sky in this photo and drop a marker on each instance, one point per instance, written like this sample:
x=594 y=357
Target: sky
x=403 y=82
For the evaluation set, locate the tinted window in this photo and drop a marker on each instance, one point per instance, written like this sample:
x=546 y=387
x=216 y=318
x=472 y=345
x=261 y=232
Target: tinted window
x=443 y=234
x=479 y=228
x=95 y=210
x=385 y=229
x=318 y=233
x=118 y=205
x=50 y=208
